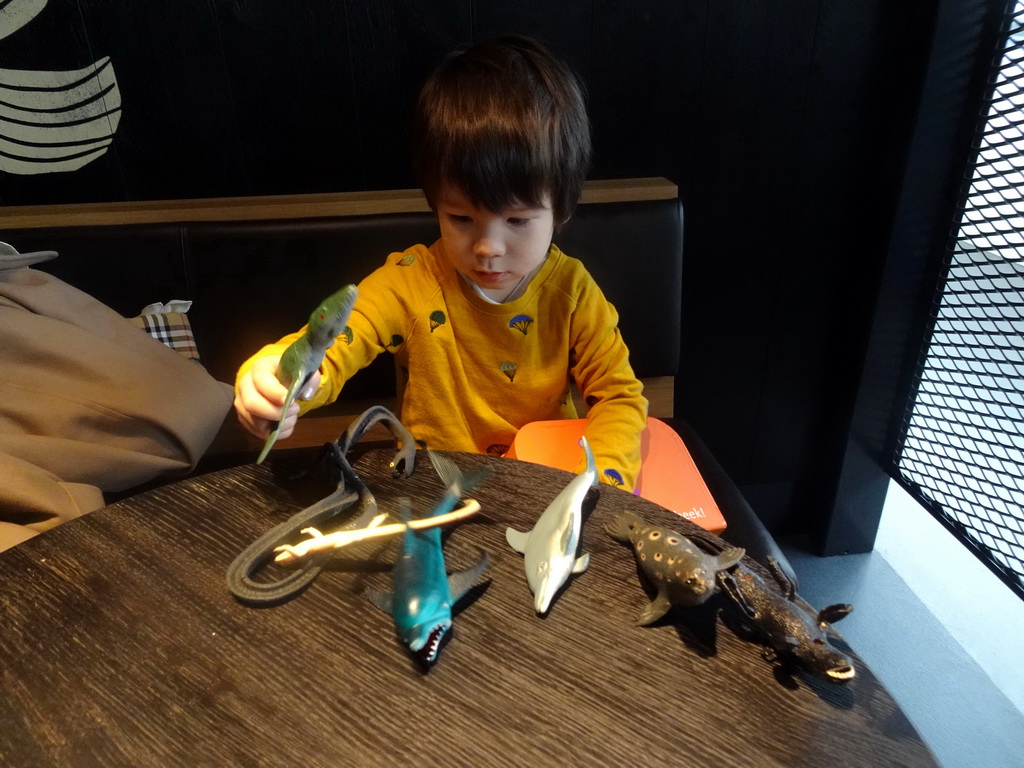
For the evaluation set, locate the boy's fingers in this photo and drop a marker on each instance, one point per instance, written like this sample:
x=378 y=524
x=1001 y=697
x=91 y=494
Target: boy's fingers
x=259 y=397
x=260 y=426
x=265 y=383
x=253 y=423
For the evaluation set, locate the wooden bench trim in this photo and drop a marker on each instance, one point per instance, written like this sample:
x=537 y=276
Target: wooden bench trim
x=287 y=206
x=327 y=424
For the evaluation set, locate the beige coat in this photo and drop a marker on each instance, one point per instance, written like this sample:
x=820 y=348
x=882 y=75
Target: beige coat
x=88 y=404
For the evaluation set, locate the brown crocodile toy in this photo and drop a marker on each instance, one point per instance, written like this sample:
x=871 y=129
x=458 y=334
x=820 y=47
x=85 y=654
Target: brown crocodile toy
x=787 y=626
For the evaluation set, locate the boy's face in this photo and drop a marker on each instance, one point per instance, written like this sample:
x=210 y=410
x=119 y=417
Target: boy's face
x=494 y=250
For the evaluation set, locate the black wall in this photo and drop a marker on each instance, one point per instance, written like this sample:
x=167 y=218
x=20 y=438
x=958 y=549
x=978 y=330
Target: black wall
x=785 y=123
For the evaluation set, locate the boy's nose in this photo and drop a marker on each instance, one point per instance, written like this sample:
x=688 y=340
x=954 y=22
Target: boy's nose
x=488 y=248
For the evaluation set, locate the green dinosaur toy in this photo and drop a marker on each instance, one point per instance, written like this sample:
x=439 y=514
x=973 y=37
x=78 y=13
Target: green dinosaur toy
x=303 y=357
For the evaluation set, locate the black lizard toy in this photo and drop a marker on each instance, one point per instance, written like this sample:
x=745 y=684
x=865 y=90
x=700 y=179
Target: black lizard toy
x=350 y=491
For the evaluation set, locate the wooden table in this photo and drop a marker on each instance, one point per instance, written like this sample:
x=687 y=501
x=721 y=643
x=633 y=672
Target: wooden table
x=121 y=646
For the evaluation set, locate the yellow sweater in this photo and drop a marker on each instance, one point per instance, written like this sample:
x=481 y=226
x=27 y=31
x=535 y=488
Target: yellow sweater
x=472 y=373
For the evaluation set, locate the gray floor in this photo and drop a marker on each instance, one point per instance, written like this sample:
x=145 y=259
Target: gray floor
x=937 y=628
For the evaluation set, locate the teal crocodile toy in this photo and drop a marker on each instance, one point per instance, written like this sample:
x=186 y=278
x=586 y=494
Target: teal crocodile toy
x=301 y=360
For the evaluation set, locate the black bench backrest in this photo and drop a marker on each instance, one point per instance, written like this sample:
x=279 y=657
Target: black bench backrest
x=252 y=282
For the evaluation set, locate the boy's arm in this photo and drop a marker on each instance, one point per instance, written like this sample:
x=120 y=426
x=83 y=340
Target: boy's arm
x=373 y=318
x=341 y=360
x=617 y=411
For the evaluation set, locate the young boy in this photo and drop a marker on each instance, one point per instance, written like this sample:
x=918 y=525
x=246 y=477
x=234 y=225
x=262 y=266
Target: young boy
x=491 y=324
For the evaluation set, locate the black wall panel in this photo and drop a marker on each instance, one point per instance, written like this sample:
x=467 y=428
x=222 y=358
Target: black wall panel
x=392 y=46
x=177 y=123
x=291 y=95
x=57 y=40
x=645 y=80
x=742 y=196
x=849 y=147
x=859 y=108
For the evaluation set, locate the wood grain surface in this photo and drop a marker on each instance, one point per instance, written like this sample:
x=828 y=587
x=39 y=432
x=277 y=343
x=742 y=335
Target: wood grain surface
x=121 y=646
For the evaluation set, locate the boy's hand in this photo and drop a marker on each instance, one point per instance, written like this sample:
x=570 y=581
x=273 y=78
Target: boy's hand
x=259 y=397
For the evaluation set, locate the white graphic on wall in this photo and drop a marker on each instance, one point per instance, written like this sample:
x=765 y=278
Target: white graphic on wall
x=53 y=122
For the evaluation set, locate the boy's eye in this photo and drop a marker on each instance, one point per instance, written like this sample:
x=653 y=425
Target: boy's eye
x=518 y=221
x=457 y=218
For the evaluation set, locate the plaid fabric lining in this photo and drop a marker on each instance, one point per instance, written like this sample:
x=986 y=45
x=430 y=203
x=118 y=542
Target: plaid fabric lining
x=171 y=329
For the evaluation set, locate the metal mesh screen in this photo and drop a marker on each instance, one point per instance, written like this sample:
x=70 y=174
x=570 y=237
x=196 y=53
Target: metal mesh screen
x=962 y=454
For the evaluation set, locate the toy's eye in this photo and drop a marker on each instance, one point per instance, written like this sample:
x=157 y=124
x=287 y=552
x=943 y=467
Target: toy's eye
x=818 y=641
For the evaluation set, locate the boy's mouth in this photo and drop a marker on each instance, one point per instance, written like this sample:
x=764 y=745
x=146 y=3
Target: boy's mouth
x=490 y=279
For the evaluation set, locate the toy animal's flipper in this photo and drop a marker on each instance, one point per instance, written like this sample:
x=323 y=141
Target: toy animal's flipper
x=565 y=535
x=622 y=525
x=460 y=582
x=383 y=600
x=833 y=613
x=729 y=558
x=446 y=469
x=654 y=610
x=729 y=585
x=788 y=585
x=517 y=539
x=581 y=564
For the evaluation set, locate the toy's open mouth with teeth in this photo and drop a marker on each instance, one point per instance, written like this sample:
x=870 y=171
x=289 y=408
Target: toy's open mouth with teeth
x=841 y=674
x=428 y=653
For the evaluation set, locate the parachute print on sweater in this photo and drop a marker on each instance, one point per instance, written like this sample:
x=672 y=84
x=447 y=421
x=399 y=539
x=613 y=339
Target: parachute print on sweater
x=477 y=372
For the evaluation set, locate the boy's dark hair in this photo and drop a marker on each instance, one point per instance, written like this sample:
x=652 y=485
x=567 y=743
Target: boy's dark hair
x=504 y=122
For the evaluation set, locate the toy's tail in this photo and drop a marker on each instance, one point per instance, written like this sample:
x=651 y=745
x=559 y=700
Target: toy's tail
x=458 y=483
x=271 y=439
x=591 y=467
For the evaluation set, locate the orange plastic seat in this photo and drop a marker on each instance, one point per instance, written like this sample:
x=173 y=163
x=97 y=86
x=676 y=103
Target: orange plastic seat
x=667 y=477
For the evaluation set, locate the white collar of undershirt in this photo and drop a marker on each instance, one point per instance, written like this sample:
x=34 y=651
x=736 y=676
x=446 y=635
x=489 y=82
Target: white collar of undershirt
x=516 y=293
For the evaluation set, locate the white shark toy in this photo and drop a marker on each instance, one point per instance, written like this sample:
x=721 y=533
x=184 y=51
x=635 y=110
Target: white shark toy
x=550 y=548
